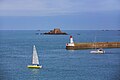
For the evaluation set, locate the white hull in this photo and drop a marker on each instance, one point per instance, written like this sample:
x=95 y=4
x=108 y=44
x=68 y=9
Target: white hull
x=99 y=51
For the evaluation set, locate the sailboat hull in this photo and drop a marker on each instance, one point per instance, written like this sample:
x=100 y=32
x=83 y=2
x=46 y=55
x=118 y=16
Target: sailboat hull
x=97 y=52
x=34 y=66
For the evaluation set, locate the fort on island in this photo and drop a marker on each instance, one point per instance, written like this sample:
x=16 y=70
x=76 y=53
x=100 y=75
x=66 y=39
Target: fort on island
x=80 y=46
x=56 y=31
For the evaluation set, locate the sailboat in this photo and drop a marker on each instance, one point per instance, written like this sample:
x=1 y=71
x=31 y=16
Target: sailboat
x=97 y=51
x=100 y=51
x=35 y=61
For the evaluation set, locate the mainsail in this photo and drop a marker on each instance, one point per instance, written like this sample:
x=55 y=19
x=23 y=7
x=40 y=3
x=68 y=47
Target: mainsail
x=35 y=56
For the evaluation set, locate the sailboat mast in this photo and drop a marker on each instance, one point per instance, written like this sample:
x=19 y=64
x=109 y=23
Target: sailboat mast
x=94 y=44
x=35 y=56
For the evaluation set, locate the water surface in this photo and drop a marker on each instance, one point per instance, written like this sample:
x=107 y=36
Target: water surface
x=58 y=63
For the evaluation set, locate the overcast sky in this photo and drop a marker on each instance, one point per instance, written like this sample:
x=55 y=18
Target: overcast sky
x=65 y=14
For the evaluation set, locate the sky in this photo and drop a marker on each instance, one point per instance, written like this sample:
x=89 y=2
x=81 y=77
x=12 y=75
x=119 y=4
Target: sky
x=63 y=14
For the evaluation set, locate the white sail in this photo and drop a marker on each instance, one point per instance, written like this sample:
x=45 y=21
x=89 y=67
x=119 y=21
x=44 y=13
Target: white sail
x=35 y=56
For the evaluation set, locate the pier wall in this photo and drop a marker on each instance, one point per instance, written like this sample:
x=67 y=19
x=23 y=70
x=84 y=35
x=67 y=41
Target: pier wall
x=78 y=46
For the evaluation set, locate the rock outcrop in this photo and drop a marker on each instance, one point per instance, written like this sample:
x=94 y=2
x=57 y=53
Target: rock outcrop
x=56 y=31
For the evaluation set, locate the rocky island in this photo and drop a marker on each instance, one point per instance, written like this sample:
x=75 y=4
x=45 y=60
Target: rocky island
x=56 y=31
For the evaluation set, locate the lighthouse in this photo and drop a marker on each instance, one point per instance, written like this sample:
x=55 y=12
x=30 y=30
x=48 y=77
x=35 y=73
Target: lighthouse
x=71 y=39
x=71 y=42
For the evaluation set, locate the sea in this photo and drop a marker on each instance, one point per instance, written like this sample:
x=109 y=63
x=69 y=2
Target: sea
x=16 y=48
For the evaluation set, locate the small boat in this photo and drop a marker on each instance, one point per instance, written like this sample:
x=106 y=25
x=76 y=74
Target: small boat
x=37 y=33
x=35 y=61
x=98 y=51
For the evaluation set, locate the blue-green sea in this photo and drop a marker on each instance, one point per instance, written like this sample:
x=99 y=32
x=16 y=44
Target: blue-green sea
x=58 y=63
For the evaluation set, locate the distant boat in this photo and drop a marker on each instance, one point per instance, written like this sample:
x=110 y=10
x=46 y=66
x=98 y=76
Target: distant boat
x=35 y=61
x=98 y=51
x=37 y=33
x=78 y=34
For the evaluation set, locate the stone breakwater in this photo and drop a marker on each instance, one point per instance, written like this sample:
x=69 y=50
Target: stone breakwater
x=78 y=46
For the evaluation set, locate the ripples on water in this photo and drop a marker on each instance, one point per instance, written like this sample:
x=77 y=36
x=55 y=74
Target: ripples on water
x=58 y=63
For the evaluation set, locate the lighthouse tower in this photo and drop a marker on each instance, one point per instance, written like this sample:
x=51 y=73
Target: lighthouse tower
x=71 y=39
x=71 y=42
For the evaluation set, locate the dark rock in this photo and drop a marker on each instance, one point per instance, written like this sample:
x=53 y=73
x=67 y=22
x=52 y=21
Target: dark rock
x=56 y=31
